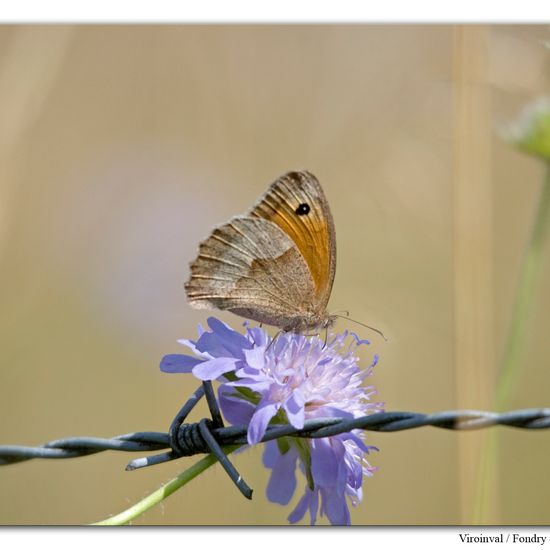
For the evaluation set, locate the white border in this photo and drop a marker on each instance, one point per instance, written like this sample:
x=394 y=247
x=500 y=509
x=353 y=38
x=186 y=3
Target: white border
x=378 y=538
x=283 y=11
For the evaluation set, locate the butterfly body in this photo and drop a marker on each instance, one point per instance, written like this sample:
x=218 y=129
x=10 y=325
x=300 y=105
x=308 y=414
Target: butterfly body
x=275 y=264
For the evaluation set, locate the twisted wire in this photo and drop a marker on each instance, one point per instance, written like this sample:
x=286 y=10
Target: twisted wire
x=527 y=419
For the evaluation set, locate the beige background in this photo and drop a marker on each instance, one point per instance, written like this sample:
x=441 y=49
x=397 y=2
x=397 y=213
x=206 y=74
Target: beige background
x=121 y=146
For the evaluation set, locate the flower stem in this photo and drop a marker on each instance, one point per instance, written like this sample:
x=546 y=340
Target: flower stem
x=165 y=491
x=515 y=345
x=525 y=299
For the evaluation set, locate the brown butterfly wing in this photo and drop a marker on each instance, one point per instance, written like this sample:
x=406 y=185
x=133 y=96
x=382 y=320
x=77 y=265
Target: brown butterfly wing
x=295 y=202
x=276 y=264
x=252 y=268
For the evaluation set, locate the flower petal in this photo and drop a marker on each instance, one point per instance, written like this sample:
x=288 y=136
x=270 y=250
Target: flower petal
x=313 y=507
x=294 y=408
x=359 y=341
x=214 y=368
x=324 y=465
x=178 y=363
x=236 y=411
x=259 y=337
x=303 y=504
x=282 y=482
x=260 y=420
x=192 y=345
x=359 y=442
x=222 y=341
x=271 y=454
x=255 y=358
x=335 y=508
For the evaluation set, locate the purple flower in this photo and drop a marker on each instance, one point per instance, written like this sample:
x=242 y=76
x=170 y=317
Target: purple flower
x=287 y=381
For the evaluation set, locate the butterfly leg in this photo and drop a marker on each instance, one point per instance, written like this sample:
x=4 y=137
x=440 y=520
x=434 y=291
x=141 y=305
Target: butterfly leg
x=312 y=334
x=279 y=332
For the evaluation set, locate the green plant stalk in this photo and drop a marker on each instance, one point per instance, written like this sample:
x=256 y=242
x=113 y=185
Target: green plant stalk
x=165 y=491
x=528 y=284
x=515 y=344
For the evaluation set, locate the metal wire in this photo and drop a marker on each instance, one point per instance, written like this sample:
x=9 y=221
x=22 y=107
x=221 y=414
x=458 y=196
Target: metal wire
x=527 y=419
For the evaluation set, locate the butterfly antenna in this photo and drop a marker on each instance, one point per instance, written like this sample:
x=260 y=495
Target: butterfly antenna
x=362 y=324
x=344 y=311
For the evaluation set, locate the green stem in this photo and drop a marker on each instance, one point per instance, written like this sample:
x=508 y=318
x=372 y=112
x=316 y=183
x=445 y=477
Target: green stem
x=165 y=491
x=515 y=345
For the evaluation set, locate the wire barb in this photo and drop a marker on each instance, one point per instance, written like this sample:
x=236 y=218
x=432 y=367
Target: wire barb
x=223 y=460
x=189 y=439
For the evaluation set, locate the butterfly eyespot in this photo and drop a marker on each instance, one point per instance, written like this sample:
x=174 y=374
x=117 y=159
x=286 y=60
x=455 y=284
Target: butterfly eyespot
x=303 y=209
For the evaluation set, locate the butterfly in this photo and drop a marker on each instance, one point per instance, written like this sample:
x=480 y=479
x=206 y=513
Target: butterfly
x=276 y=263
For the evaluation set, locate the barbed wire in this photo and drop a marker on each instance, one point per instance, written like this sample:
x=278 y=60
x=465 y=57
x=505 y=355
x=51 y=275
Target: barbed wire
x=72 y=447
x=210 y=436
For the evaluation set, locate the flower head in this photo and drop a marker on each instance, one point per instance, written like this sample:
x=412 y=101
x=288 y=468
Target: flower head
x=291 y=379
x=531 y=132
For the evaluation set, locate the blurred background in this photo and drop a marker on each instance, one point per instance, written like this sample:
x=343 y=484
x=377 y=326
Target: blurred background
x=122 y=146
